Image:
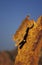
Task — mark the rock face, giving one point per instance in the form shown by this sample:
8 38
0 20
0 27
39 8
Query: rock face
8 57
28 38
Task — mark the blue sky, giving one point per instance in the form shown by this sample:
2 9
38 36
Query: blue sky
12 12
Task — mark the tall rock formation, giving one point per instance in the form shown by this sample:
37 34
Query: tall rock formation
28 38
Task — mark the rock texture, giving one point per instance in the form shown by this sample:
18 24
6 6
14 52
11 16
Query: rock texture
28 38
8 57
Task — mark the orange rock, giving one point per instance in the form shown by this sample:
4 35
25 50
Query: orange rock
31 46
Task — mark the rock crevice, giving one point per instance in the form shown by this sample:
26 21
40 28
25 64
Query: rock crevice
28 38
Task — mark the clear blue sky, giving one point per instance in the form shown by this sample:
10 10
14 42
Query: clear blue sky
12 12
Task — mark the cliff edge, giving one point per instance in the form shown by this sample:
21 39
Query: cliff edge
28 38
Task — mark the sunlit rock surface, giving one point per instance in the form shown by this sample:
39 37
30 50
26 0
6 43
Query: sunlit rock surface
30 51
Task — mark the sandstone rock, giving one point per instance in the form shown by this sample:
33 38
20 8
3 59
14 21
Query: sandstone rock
28 38
8 57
